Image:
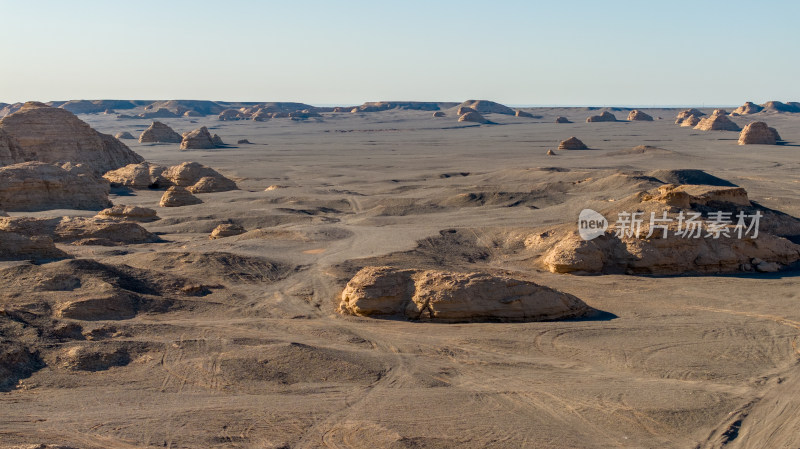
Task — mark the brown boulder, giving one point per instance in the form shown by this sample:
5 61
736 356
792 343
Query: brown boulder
758 133
178 196
454 297
79 230
637 115
37 132
32 186
573 143
160 133
604 117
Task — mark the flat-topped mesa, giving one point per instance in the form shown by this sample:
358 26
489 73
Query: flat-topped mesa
637 115
759 133
718 121
604 117
200 139
35 186
487 107
474 117
37 132
573 143
683 115
444 296
160 133
747 108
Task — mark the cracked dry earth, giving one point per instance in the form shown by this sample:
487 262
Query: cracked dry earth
235 342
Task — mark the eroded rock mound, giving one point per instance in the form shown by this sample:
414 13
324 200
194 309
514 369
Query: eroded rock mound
473 117
33 186
132 213
37 132
198 178
454 297
138 176
747 108
226 230
80 230
15 246
604 117
521 113
177 196
160 133
683 115
690 121
438 114
718 121
124 135
777 106
637 115
487 107
573 143
561 119
758 133
200 139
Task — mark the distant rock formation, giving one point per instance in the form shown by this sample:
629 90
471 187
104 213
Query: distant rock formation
178 196
758 133
474 117
33 186
718 121
551 153
377 106
226 230
637 115
200 139
463 110
160 113
454 297
573 143
438 114
95 106
138 176
690 121
747 108
124 135
561 119
160 133
131 213
604 117
521 113
683 115
189 108
777 106
487 107
232 114
197 178
242 142
37 132
80 230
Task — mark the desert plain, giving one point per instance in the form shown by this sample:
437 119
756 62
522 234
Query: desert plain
243 341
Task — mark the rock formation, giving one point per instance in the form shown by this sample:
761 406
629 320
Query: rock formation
37 132
80 230
226 230
690 121
138 176
521 113
747 108
33 186
463 110
454 297
198 178
242 142
160 133
687 113
573 143
718 121
604 117
178 196
474 117
561 119
132 213
758 133
38 248
551 153
438 114
637 115
777 106
487 107
124 135
200 139
232 114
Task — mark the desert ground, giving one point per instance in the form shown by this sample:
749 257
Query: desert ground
262 358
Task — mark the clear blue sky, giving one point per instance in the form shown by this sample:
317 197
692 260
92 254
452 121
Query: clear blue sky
346 52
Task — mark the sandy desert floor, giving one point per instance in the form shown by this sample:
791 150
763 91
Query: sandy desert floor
264 361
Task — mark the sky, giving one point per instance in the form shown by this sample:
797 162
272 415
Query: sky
554 52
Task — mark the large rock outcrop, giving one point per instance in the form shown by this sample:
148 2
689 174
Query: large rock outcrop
33 186
573 143
690 121
138 176
160 133
15 246
718 121
687 113
777 106
79 230
637 115
454 297
474 117
758 133
604 117
128 213
197 178
178 196
747 108
200 139
37 132
487 107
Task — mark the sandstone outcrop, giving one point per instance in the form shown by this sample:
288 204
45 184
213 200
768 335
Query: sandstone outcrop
37 132
747 108
454 297
758 133
718 121
604 117
687 113
521 113
178 196
132 213
200 139
463 110
690 121
438 114
487 107
124 135
14 246
562 120
33 186
79 230
637 115
226 230
160 133
473 117
198 178
138 176
573 143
